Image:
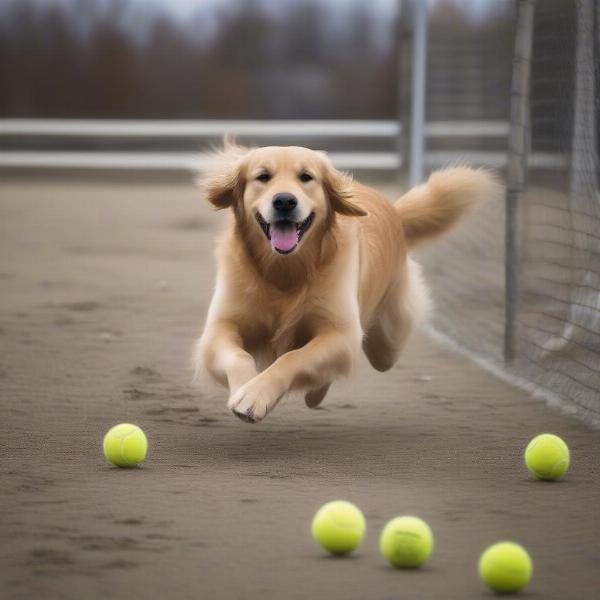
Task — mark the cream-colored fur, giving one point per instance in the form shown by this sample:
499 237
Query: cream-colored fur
280 323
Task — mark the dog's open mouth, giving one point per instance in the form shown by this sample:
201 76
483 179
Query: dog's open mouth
284 235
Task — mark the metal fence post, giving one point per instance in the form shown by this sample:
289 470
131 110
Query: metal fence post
405 34
517 168
419 73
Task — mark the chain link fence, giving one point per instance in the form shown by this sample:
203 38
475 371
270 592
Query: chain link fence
519 282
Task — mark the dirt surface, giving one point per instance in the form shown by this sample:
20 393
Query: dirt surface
104 288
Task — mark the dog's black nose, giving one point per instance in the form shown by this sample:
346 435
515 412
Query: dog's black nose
284 202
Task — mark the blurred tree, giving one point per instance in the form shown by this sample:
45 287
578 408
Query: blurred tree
103 58
110 80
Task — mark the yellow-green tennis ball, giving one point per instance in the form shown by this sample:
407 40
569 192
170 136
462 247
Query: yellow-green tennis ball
406 542
505 567
547 456
125 445
339 527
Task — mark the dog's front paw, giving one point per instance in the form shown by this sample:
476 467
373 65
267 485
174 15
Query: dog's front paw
253 401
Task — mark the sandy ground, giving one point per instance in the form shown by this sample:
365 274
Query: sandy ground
104 288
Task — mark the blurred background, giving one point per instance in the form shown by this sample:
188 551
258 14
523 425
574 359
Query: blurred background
393 89
211 59
223 60
249 59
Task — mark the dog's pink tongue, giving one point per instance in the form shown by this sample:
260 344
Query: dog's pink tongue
283 237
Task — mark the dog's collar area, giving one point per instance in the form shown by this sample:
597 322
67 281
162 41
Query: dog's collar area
301 228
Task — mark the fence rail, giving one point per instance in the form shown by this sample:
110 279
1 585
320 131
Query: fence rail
169 161
178 128
203 131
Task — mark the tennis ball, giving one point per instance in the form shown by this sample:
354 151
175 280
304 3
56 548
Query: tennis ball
339 527
505 567
125 445
406 542
547 456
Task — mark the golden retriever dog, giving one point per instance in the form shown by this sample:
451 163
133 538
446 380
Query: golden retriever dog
312 266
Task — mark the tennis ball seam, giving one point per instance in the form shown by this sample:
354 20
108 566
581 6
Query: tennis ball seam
554 444
411 548
118 436
498 571
122 434
339 535
551 472
559 463
122 446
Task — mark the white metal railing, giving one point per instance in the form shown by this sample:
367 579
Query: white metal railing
194 129
197 129
179 128
466 129
156 161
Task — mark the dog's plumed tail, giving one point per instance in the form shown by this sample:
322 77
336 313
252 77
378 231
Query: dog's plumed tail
432 208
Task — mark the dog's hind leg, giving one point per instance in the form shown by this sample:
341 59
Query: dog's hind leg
404 305
315 397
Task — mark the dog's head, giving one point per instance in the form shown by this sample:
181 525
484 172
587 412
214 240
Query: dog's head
284 195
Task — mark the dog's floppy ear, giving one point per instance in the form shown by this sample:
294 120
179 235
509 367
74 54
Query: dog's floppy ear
338 187
220 178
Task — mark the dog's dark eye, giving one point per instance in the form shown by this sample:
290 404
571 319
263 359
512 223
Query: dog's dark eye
305 177
264 177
